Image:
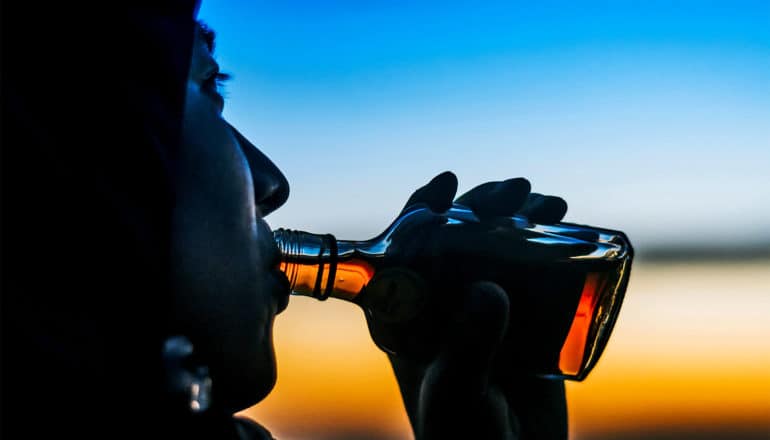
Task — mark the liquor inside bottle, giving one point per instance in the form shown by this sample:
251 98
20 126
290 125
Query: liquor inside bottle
566 282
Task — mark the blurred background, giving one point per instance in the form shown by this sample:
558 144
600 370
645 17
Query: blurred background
649 117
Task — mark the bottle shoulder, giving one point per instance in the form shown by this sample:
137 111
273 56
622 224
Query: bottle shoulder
558 240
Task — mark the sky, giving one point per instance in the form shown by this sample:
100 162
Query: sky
650 117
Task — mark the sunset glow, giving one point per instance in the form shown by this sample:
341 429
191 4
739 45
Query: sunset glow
690 352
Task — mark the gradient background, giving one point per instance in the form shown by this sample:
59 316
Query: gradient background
650 117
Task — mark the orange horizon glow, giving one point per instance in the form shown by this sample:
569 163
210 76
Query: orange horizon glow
689 351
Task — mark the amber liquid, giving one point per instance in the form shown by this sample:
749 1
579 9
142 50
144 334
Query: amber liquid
561 313
592 315
350 279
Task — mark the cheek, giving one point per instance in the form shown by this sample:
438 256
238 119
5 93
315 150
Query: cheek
221 287
243 365
224 287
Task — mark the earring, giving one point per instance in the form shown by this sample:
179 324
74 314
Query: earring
185 378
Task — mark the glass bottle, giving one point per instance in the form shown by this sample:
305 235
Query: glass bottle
565 282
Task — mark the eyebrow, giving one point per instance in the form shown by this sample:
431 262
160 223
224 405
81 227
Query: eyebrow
208 35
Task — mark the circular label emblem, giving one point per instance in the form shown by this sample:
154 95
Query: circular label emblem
395 294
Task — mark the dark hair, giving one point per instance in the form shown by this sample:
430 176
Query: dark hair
86 203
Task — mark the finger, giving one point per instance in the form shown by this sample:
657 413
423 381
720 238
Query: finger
438 194
497 198
540 406
456 385
465 363
544 209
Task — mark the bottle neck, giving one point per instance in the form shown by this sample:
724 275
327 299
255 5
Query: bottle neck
321 266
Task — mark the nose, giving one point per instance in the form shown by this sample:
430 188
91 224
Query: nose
271 189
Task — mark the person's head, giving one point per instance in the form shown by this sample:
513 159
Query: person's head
227 284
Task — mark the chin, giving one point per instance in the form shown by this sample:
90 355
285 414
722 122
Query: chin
264 381
235 397
245 385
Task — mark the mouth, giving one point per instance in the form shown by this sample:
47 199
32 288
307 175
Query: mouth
282 291
280 286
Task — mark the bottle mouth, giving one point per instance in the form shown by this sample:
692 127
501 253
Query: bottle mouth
288 242
308 258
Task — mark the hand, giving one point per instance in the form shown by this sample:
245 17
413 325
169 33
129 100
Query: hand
506 198
456 392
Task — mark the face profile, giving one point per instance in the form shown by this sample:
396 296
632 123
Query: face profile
227 282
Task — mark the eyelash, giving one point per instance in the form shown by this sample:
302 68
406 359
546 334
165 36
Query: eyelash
221 78
217 81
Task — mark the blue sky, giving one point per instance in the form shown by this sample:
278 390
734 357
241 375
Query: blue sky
645 117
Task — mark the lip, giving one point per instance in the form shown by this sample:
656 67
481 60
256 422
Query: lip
280 286
282 291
